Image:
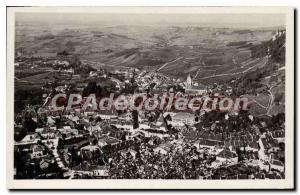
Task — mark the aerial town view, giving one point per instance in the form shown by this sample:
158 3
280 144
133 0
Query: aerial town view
106 96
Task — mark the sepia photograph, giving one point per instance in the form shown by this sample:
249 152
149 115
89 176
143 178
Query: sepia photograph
150 98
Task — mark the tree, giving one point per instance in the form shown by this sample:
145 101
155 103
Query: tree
29 125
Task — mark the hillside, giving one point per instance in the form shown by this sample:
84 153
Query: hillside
266 86
212 50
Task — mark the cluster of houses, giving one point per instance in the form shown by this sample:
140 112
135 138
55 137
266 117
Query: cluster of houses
71 142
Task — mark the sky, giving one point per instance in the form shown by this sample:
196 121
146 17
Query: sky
215 20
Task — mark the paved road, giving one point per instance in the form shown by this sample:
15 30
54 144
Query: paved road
235 73
168 63
271 100
197 73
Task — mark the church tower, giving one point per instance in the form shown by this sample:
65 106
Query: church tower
189 81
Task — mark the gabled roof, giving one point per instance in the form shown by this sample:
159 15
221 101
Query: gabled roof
227 154
166 146
108 140
209 142
90 148
88 167
31 137
183 115
196 88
